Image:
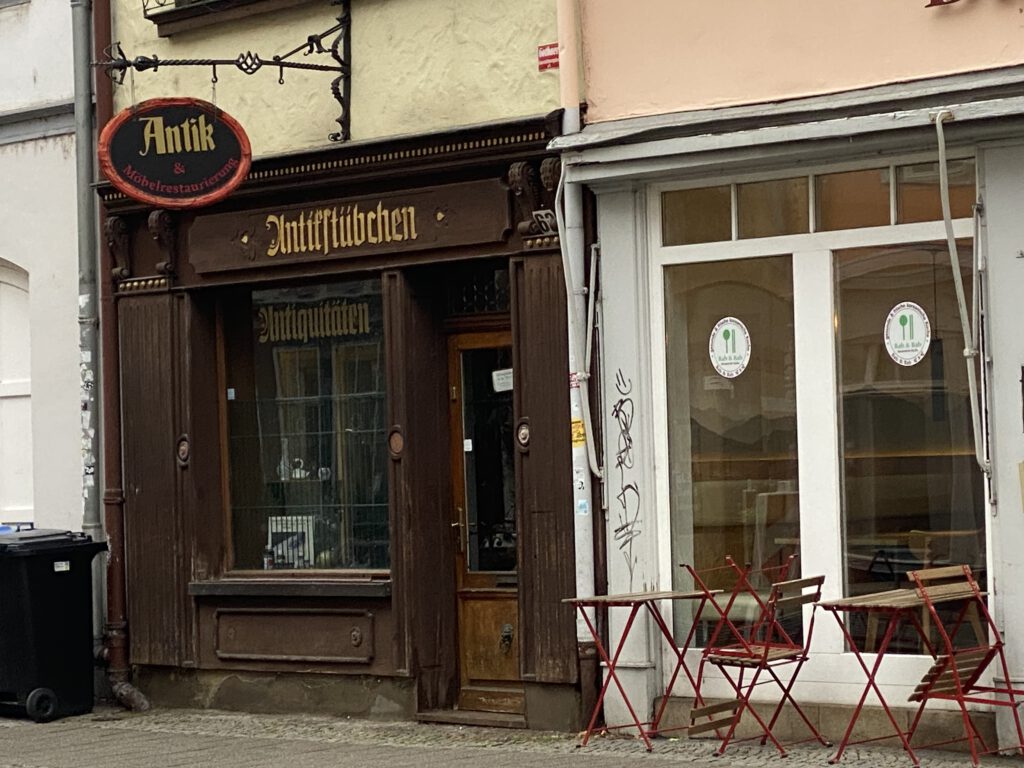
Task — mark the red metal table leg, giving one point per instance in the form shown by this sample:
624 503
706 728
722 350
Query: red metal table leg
872 685
610 663
680 654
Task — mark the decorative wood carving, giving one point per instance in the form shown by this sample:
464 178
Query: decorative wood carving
522 178
118 238
163 227
550 173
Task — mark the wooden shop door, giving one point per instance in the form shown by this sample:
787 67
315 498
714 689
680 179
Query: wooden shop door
484 521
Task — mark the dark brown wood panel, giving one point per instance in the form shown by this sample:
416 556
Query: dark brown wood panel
335 636
544 492
200 479
311 636
420 492
154 547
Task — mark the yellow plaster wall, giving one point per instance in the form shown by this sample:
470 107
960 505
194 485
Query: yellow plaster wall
418 66
660 56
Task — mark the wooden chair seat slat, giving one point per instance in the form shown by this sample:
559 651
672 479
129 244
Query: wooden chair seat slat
714 709
711 725
788 602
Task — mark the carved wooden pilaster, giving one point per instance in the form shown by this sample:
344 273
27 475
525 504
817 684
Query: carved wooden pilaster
118 238
535 193
164 228
522 178
550 173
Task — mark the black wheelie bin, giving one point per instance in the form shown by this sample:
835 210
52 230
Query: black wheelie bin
46 634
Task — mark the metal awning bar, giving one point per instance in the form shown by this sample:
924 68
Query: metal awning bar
662 156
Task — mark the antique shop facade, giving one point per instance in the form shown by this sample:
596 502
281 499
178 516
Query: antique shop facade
344 423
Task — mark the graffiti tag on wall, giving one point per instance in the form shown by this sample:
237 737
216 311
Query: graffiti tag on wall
629 526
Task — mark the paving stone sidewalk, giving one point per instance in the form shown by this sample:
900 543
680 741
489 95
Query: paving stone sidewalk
178 738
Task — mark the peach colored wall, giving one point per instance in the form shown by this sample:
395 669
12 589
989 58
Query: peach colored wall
657 56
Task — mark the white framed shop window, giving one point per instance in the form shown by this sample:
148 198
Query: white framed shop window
801 386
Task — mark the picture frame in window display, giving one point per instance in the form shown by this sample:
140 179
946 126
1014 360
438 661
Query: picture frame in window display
290 541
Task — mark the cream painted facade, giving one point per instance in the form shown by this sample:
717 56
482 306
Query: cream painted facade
678 56
40 427
725 96
415 68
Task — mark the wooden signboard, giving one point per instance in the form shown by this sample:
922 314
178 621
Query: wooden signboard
470 213
175 153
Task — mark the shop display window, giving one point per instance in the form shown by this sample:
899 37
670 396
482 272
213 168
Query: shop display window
732 425
306 420
897 450
912 492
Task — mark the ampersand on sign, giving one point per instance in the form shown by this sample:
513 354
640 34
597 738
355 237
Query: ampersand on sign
179 169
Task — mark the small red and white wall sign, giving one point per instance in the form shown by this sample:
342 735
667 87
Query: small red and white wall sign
547 56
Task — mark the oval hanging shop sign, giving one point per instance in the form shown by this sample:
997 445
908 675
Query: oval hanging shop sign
175 152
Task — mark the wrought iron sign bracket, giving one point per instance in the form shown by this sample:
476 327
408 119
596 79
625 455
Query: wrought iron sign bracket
117 64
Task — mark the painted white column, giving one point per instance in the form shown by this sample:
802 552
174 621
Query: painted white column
817 417
1003 239
631 514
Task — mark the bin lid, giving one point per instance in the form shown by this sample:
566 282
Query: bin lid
38 539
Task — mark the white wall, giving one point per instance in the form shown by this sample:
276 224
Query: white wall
35 54
38 234
631 518
1003 174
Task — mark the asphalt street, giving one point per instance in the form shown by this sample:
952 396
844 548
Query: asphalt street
171 738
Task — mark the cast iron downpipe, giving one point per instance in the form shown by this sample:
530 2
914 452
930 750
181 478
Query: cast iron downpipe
571 237
115 650
86 222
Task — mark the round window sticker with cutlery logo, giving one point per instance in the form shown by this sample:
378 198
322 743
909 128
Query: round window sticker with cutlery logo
908 333
729 347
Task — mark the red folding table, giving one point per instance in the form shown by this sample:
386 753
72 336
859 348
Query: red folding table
635 602
956 671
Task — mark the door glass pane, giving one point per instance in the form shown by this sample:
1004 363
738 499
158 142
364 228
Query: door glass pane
912 491
489 459
731 421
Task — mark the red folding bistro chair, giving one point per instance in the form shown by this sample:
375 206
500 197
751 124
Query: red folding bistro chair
745 602
959 666
750 655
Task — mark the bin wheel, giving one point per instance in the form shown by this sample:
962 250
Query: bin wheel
41 705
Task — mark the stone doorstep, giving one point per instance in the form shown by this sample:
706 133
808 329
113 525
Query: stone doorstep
832 720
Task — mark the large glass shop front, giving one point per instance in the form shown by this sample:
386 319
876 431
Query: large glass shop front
911 494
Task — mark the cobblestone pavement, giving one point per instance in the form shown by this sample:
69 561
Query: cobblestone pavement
179 738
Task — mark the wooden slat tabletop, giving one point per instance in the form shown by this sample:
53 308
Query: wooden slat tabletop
632 598
898 599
